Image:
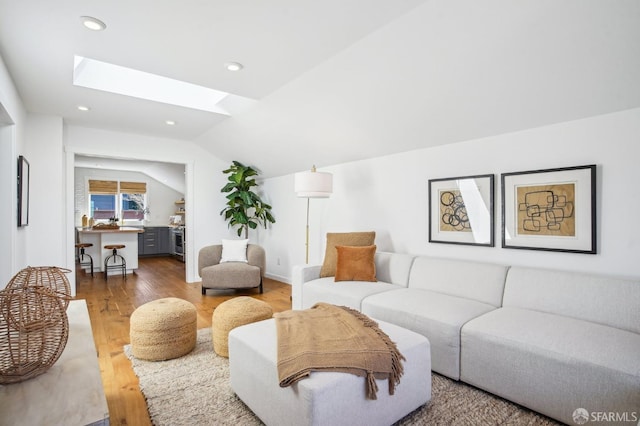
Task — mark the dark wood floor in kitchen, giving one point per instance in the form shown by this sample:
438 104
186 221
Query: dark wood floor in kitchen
111 304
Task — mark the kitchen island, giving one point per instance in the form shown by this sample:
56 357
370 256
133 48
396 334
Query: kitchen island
128 236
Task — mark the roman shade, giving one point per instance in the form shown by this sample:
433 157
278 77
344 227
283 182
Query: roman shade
103 186
133 187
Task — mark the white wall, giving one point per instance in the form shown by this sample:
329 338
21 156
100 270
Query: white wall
12 242
160 198
46 236
389 195
204 178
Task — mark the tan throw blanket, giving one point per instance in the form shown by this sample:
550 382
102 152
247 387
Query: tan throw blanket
335 338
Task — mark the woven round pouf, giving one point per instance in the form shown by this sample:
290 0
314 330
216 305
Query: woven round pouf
163 329
234 313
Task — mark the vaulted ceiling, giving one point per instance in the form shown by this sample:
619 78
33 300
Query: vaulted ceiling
332 81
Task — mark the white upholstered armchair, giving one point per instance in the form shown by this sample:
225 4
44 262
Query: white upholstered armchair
231 275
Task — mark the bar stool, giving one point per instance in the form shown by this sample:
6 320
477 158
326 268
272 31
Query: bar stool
115 256
81 255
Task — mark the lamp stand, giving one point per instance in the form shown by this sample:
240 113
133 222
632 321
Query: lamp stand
307 237
308 185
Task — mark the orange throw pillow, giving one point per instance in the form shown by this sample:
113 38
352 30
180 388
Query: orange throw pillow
342 239
355 263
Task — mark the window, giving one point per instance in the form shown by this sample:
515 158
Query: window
122 200
102 206
132 206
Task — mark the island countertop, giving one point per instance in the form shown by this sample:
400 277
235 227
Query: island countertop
121 229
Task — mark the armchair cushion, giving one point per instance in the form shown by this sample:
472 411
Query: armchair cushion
231 275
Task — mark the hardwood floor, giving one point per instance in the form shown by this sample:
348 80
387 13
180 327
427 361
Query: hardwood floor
111 304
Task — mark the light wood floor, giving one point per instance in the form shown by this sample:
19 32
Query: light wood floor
112 302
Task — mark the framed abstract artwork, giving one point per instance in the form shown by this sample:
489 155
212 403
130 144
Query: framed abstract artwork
23 191
461 210
553 209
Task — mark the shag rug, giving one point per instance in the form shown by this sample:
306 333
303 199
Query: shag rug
195 390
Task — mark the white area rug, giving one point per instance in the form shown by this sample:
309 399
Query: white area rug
194 390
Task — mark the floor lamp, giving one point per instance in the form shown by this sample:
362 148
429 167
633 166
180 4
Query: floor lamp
312 184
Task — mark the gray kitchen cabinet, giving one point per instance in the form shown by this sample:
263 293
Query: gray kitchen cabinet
154 241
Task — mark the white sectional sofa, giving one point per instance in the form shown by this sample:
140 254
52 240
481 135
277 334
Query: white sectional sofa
551 341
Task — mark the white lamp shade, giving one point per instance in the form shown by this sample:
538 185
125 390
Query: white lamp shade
313 184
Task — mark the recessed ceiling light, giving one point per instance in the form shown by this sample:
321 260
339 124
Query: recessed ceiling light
170 123
83 108
93 23
233 66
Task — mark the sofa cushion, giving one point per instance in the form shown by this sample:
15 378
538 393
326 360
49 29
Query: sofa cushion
483 282
393 268
355 263
552 364
603 300
342 239
343 293
439 317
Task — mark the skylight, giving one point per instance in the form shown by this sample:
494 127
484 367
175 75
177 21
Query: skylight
107 77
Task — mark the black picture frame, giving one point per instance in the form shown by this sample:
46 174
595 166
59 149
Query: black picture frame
461 210
23 191
550 209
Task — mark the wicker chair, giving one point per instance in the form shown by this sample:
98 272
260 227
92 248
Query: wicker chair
231 275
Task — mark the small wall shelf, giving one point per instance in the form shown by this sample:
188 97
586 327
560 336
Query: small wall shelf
180 209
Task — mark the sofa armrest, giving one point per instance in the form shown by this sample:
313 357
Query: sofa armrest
300 275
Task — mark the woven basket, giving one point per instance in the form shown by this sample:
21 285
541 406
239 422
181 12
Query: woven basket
34 327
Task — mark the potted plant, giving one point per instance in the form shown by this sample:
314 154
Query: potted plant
245 208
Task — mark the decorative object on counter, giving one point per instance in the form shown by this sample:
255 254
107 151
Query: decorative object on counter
312 184
245 209
34 327
106 226
85 221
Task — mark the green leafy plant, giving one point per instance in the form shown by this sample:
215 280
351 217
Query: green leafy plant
245 208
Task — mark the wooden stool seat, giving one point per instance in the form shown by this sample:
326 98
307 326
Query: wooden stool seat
81 255
115 256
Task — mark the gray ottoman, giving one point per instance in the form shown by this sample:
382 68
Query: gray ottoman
324 398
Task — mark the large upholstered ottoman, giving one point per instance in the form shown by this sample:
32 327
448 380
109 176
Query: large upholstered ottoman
324 398
163 329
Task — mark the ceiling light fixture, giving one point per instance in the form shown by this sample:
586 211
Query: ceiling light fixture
93 23
170 123
83 108
233 66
